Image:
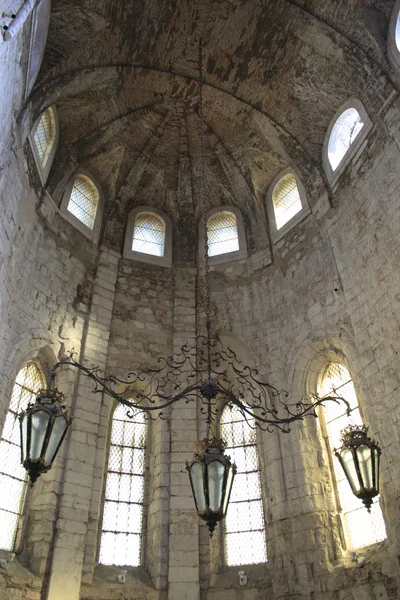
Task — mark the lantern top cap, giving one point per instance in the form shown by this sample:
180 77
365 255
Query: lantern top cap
53 394
355 435
202 446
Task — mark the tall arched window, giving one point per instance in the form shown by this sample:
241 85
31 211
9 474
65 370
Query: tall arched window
84 200
360 527
45 135
12 474
149 234
286 200
343 135
394 36
121 536
245 523
222 232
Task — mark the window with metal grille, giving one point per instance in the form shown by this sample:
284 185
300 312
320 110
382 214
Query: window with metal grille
286 200
12 474
45 135
360 527
343 135
149 234
121 536
84 200
244 523
222 233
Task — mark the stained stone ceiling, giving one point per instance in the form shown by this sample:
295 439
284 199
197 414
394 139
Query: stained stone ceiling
124 77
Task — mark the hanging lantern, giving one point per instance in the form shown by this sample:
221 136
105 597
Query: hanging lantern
211 476
359 457
43 428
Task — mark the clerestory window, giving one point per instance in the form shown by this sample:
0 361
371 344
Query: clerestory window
394 36
286 199
84 200
222 233
149 234
244 523
121 535
13 478
360 527
43 139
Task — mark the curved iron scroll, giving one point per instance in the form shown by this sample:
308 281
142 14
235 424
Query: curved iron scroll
210 374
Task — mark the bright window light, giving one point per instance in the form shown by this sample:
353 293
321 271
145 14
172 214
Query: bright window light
397 32
222 233
286 200
45 135
244 523
12 474
343 134
121 534
361 528
149 234
84 201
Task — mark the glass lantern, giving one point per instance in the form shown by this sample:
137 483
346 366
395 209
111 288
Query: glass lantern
43 428
211 476
359 457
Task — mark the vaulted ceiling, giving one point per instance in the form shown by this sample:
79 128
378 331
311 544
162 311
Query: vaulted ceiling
124 77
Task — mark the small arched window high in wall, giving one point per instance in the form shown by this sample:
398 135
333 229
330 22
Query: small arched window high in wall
44 139
13 478
345 136
360 528
122 527
82 204
244 523
226 235
287 203
394 37
149 236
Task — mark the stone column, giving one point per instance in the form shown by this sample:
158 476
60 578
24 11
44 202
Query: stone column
183 573
81 456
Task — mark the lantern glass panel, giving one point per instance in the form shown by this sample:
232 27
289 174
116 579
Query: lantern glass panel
39 422
365 462
228 488
59 427
350 470
24 435
196 475
215 473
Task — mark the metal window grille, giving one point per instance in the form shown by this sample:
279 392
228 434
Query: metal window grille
149 234
121 536
12 474
45 135
361 528
343 134
244 523
286 200
222 233
84 201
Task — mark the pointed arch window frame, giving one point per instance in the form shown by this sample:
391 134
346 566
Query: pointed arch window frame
21 525
229 256
393 48
44 170
278 234
92 234
355 149
162 261
145 503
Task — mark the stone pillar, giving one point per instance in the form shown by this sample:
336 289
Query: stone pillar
81 455
183 573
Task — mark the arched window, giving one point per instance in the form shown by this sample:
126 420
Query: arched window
286 200
84 200
345 135
121 536
244 524
12 474
149 234
43 139
394 36
361 528
222 232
